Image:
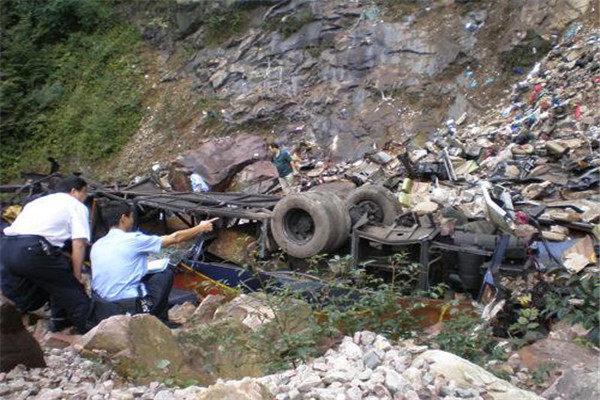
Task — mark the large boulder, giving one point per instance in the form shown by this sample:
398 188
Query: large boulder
17 345
255 178
258 312
466 375
575 366
217 161
560 353
237 244
206 310
240 339
140 348
221 348
577 382
251 310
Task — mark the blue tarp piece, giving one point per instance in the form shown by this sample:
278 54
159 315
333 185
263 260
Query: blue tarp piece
555 248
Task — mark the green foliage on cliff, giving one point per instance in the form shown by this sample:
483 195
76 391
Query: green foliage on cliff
224 23
70 84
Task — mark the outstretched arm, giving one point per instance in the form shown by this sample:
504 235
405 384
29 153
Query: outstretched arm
187 234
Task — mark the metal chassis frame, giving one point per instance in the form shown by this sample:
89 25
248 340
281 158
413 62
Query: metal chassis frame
424 242
254 207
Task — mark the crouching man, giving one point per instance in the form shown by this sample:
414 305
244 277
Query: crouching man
120 282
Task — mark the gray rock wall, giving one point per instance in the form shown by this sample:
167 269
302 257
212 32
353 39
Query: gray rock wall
355 73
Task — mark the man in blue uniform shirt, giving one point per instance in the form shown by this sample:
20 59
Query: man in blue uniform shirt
120 264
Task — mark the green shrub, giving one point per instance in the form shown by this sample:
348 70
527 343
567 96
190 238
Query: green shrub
525 54
575 298
466 336
69 87
222 24
290 24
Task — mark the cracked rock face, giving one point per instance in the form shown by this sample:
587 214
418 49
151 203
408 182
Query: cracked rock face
358 73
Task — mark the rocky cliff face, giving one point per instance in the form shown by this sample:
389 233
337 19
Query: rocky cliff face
344 75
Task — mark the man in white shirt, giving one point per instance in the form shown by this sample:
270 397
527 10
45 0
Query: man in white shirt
33 267
120 278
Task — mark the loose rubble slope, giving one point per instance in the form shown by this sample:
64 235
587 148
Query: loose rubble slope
364 366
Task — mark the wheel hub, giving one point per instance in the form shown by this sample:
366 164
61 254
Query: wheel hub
372 209
299 226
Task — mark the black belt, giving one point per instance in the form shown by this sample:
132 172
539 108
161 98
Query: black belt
47 247
30 237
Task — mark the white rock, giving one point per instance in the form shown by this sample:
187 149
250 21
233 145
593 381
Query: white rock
367 338
164 395
351 350
121 395
412 374
336 385
311 381
17 384
377 377
354 393
189 393
394 381
373 358
324 394
467 374
294 394
381 391
339 376
365 374
411 395
50 394
382 343
339 362
417 349
303 368
320 366
514 361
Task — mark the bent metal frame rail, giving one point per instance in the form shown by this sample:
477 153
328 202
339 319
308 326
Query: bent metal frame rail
234 206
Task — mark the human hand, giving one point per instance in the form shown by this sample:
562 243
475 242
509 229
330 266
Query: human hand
207 226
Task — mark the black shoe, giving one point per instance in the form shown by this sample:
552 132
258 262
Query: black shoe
171 324
58 325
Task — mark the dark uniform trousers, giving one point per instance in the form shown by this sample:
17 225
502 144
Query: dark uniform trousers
158 286
31 275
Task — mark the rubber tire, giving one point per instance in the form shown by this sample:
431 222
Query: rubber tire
340 218
383 198
322 222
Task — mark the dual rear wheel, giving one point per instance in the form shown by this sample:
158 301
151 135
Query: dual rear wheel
309 223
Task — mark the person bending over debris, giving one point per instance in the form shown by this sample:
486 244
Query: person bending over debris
121 283
287 166
33 267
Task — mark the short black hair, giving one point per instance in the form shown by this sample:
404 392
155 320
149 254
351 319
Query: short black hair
65 185
113 210
273 144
